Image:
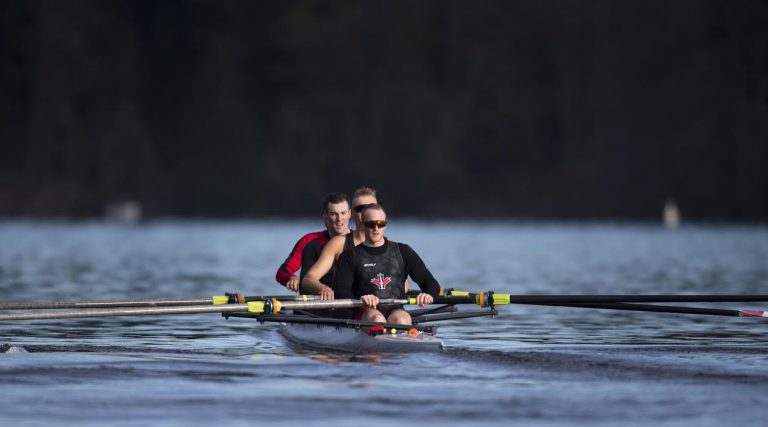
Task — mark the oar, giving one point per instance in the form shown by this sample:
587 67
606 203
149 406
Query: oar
483 299
490 298
610 302
164 302
136 311
272 306
662 309
453 298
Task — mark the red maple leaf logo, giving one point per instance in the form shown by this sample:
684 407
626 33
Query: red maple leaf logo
380 281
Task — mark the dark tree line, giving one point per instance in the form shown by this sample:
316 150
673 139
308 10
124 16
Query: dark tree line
552 108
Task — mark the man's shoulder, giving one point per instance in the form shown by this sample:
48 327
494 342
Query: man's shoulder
337 241
315 235
315 239
402 246
340 237
406 251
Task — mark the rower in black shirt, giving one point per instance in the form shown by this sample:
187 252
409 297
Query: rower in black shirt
378 269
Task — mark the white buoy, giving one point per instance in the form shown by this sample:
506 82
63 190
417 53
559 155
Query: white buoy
671 215
126 212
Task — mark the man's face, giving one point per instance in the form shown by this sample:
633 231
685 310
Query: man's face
336 218
374 234
357 204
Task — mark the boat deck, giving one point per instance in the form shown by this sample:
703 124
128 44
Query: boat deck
358 340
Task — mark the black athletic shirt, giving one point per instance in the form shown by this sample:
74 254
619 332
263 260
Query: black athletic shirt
304 255
414 267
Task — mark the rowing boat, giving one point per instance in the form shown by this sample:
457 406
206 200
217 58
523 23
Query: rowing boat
359 340
308 330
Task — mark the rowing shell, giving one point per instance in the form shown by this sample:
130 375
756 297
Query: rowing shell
359 340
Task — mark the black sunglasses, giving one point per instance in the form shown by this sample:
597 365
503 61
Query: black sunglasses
381 223
360 208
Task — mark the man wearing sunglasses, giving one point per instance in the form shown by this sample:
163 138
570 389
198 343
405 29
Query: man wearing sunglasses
378 269
313 281
307 250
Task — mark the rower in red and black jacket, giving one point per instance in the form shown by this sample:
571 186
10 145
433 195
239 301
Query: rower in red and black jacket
304 255
382 271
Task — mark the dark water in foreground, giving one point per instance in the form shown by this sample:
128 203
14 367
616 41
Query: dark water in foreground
531 366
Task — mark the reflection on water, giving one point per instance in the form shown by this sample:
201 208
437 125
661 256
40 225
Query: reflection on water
535 364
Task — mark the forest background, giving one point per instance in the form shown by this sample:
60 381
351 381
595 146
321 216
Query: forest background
527 109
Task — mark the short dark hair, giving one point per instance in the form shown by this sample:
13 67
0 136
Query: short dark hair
334 198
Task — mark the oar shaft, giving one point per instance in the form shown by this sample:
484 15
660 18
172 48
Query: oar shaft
652 308
270 307
106 304
635 298
162 302
137 311
499 298
454 316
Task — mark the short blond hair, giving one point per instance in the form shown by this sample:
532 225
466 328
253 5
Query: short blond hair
364 191
373 206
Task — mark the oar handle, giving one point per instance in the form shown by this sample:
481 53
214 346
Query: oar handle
275 306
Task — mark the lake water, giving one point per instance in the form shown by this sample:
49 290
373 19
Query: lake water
532 365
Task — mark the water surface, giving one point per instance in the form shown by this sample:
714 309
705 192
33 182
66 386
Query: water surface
532 365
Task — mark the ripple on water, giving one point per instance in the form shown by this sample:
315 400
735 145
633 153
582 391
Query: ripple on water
532 365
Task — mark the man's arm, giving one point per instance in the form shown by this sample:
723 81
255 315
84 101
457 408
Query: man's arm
416 268
311 283
286 273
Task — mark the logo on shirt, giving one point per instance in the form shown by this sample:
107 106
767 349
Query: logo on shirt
380 281
370 264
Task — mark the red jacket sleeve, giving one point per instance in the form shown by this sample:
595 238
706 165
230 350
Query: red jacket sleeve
292 264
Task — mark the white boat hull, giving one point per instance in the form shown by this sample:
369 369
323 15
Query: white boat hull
337 338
